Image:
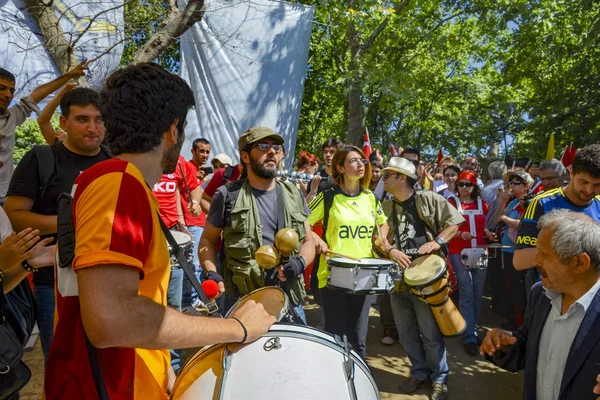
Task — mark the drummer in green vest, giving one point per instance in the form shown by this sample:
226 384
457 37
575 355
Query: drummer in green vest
420 222
248 213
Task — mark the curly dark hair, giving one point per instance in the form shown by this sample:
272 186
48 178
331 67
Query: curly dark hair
139 103
79 97
587 160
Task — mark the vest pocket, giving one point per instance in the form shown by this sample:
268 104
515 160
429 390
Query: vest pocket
239 220
297 221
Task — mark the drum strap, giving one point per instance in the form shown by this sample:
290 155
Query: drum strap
471 213
440 290
211 307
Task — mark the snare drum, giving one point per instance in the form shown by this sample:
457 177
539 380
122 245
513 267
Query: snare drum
273 299
365 276
267 368
186 244
427 278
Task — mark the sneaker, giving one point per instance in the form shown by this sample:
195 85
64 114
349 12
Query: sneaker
470 348
390 335
440 391
413 384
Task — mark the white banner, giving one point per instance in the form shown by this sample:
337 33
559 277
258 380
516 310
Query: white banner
94 26
246 63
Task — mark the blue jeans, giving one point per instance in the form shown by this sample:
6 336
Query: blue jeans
174 295
470 292
45 302
419 335
196 231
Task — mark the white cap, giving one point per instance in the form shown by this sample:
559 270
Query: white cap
223 158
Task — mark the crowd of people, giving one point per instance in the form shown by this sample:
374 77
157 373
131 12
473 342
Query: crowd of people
114 318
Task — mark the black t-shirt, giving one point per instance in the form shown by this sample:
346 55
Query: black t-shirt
411 233
25 182
325 184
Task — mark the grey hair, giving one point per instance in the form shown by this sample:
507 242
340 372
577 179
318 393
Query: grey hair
553 164
573 234
497 170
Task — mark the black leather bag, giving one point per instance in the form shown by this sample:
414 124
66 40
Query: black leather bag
20 311
14 374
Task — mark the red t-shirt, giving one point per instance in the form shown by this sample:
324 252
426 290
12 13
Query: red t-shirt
190 220
456 245
165 190
217 180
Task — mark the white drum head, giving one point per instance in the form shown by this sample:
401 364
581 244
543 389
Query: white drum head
424 270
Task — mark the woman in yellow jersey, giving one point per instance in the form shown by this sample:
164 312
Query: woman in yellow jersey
349 231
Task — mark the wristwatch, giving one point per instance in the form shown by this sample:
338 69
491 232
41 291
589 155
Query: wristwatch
440 241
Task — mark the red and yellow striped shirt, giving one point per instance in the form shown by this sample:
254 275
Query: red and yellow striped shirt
116 222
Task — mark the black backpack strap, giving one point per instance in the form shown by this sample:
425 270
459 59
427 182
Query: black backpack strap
211 306
227 174
96 370
328 196
233 189
46 167
280 206
106 151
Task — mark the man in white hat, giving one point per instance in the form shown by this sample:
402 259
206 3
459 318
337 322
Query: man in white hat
421 222
221 160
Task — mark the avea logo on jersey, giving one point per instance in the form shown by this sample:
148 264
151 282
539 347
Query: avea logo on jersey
165 187
353 232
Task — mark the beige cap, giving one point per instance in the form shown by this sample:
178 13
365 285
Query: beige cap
401 165
223 158
255 134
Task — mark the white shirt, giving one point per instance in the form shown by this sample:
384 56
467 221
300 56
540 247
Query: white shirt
557 337
9 120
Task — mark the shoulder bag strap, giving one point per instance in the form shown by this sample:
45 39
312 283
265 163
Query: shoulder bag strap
227 174
96 370
189 272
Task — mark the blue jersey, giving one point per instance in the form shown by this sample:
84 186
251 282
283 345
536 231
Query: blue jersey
544 203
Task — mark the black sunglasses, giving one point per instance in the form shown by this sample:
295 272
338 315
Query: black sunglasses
464 184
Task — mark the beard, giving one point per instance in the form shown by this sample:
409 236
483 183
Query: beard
261 170
170 158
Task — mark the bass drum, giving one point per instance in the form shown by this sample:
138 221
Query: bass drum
270 369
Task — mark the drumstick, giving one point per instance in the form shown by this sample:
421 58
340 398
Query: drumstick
341 255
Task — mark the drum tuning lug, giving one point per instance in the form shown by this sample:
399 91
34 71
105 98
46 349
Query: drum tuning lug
272 344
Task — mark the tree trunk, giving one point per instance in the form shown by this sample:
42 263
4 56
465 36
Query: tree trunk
173 27
355 111
55 42
491 156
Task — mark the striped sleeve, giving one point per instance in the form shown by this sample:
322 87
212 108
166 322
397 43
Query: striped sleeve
113 222
317 209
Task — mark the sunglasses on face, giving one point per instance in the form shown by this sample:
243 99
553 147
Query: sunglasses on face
464 184
267 147
354 161
386 175
515 183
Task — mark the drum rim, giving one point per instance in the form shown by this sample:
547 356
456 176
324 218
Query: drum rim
430 281
331 262
286 301
360 292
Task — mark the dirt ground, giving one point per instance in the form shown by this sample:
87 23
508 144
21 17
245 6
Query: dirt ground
471 378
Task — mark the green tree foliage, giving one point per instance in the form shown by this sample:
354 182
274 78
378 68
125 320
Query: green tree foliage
27 135
458 73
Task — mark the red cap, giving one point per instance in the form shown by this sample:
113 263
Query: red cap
468 175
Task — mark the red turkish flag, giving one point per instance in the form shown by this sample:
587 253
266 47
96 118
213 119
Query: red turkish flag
440 156
367 144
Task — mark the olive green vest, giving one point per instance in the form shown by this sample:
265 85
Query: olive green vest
242 236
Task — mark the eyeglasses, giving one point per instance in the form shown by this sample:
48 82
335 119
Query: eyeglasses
267 147
515 183
417 163
550 178
464 184
363 161
386 175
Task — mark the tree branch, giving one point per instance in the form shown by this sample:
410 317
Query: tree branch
174 26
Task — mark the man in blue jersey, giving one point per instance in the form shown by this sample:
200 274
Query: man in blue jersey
582 195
